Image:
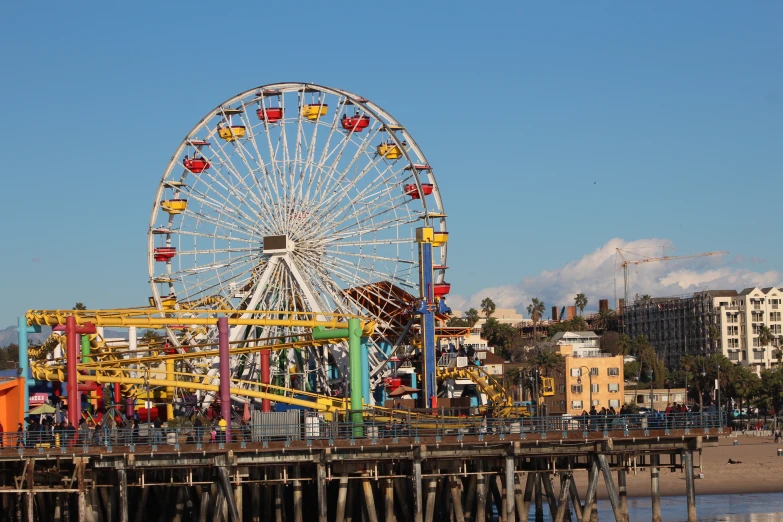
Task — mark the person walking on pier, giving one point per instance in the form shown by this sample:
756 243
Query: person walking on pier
157 431
222 429
2 436
198 427
20 436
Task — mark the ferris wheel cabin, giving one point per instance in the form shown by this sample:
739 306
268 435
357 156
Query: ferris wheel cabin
195 165
164 254
355 123
413 191
313 111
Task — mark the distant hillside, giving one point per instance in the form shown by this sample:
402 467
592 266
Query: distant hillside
9 335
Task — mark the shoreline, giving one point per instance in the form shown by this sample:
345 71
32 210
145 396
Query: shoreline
760 471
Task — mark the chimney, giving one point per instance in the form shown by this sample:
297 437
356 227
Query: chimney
603 304
554 313
571 313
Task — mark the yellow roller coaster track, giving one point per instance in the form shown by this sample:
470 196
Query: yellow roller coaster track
502 402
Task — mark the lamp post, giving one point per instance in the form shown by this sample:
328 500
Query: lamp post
590 378
650 374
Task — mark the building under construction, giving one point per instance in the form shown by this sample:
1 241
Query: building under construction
677 326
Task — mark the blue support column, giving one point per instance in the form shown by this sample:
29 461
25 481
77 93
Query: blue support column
24 358
366 397
427 322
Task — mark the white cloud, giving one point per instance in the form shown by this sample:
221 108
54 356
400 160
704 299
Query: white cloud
594 274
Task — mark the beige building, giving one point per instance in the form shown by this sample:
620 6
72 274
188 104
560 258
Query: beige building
595 380
660 397
741 317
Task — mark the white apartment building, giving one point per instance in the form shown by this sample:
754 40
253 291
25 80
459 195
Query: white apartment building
585 344
741 317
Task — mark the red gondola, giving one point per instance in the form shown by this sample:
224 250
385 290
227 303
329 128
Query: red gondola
195 165
355 123
273 114
164 253
413 191
441 289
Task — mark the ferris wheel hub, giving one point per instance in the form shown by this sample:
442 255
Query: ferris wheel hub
278 244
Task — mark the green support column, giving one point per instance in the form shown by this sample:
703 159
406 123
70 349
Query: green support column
85 348
355 358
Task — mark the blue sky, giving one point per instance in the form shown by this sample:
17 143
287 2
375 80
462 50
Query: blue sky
553 128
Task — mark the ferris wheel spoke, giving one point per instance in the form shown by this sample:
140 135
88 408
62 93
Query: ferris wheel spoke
227 209
333 201
210 235
337 152
212 221
336 188
352 270
400 203
207 285
317 168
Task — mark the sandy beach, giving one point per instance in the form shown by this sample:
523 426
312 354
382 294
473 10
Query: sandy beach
760 471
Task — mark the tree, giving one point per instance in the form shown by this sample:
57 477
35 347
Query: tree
488 307
714 334
605 320
536 310
151 336
502 336
457 322
581 302
624 344
79 306
549 361
609 342
472 317
765 336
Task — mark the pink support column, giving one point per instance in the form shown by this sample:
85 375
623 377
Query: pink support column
225 374
266 404
72 359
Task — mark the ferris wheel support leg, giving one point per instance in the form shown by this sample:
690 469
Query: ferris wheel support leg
24 358
225 374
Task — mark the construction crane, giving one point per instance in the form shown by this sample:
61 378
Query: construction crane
626 262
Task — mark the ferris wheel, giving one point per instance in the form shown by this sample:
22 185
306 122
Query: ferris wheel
295 197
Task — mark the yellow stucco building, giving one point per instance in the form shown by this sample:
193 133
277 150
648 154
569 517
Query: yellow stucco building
596 377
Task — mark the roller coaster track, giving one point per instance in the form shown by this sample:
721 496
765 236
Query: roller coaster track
502 402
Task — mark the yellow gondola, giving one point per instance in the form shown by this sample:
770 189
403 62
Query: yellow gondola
231 133
314 111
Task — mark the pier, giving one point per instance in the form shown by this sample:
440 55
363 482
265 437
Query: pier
461 472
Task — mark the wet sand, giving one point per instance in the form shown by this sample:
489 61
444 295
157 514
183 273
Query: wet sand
760 471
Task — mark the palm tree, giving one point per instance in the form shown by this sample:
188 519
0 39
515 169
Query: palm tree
548 360
580 301
488 307
765 336
624 344
604 319
79 306
472 317
536 310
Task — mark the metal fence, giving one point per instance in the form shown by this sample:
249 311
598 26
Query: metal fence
291 426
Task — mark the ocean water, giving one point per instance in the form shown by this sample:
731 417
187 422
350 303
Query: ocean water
761 507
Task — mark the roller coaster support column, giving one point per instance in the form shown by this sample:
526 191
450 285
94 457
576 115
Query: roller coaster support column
366 397
355 347
24 358
225 374
425 236
72 331
357 377
170 390
266 377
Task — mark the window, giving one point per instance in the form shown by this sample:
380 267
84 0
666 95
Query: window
733 343
594 372
576 372
755 342
758 355
774 316
596 402
775 328
562 405
613 372
614 387
576 388
734 356
561 388
576 405
614 403
640 399
594 388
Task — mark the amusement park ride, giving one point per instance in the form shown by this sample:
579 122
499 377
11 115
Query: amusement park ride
297 256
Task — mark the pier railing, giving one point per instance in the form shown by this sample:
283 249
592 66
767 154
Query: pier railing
397 429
